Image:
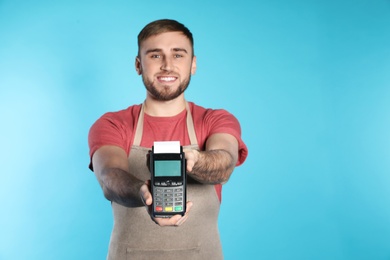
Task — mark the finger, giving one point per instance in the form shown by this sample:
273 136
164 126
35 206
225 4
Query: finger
146 196
168 221
190 165
185 217
191 158
181 220
189 206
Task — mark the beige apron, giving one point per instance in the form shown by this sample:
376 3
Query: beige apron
136 236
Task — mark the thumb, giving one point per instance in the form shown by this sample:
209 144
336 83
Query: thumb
146 196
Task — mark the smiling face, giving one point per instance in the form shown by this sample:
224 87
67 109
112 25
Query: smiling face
166 63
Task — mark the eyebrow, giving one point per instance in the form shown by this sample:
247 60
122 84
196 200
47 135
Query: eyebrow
153 50
180 49
160 50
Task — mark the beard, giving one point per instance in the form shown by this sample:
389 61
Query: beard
166 94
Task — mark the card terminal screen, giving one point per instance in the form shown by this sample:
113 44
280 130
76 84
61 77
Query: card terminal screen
169 168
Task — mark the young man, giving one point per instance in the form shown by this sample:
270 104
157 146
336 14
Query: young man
120 141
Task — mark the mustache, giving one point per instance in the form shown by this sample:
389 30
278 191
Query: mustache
171 74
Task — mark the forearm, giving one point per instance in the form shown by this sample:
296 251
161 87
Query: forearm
213 166
121 187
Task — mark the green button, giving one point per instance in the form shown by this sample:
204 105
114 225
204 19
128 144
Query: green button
178 208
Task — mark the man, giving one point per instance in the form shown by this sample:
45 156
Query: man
119 143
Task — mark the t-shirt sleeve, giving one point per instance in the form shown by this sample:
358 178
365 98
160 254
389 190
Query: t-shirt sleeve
108 130
221 121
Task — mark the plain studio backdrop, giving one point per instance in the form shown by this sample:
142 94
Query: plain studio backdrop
309 82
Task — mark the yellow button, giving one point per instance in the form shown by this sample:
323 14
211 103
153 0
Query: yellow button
168 208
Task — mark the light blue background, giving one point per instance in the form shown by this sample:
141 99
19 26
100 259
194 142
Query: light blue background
308 80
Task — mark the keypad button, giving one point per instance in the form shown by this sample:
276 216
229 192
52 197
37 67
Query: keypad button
168 209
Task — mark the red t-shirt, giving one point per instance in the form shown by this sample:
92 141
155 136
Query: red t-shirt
118 128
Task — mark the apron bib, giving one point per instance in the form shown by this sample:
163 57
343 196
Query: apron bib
136 236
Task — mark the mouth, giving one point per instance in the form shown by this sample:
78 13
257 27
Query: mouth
167 79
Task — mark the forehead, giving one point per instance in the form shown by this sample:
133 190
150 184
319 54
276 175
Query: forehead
166 41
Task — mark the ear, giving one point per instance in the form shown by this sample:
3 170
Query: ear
138 66
193 65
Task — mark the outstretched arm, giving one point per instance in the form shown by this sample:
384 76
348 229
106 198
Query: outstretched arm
111 168
217 162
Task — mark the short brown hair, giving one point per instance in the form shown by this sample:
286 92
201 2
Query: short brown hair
161 26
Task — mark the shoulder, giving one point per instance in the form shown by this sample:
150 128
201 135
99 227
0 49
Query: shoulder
114 128
209 116
202 111
118 119
122 116
209 121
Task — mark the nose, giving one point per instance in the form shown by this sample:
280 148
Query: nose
167 64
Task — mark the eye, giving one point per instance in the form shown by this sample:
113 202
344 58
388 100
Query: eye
155 56
177 56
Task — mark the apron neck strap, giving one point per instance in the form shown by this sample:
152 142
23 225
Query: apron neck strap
140 127
190 126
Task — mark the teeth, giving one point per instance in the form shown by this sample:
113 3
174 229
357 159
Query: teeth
167 78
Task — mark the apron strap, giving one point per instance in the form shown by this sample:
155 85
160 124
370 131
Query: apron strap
190 126
140 127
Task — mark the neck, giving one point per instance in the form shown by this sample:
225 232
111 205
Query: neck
164 108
